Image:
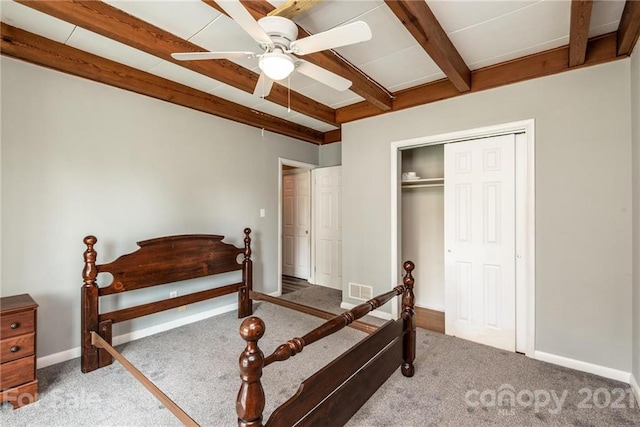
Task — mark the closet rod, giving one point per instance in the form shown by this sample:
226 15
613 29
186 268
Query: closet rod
423 185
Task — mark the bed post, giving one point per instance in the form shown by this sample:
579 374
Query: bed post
251 401
89 307
245 305
409 321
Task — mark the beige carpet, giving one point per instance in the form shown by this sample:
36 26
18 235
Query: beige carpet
197 365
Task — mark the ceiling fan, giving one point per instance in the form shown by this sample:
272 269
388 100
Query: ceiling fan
276 36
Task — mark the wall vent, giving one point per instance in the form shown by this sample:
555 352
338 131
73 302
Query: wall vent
360 292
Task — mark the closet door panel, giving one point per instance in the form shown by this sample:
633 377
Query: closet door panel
480 241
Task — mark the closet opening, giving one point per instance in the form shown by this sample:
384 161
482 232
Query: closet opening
422 225
463 211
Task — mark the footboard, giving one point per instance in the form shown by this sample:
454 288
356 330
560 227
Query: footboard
352 377
158 262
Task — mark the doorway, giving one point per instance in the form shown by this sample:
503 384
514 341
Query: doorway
296 222
524 250
321 287
295 257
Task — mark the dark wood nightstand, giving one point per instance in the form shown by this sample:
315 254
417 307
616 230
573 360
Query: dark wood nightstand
18 383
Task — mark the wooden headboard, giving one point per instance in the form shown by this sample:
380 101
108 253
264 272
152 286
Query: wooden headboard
158 262
170 259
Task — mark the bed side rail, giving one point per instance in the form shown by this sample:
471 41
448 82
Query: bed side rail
296 345
361 326
353 377
251 402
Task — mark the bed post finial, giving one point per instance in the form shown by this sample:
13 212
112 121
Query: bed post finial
251 401
89 272
409 317
89 306
245 305
247 243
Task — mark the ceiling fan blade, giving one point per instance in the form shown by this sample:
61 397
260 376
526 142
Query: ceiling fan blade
323 76
292 8
263 87
195 56
355 32
238 13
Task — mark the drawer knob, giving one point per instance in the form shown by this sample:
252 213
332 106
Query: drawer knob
14 325
15 349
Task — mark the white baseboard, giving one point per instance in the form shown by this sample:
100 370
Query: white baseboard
314 283
433 307
579 365
633 382
52 359
63 356
375 313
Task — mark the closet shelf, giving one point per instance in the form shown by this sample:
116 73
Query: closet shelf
423 183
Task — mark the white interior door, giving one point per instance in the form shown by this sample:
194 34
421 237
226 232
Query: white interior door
479 216
296 221
328 224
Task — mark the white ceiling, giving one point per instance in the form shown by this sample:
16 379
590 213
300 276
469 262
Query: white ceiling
484 32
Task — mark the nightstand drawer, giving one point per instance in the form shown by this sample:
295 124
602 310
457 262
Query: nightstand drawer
15 324
17 372
17 347
21 395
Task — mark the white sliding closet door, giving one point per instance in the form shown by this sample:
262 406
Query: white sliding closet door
480 296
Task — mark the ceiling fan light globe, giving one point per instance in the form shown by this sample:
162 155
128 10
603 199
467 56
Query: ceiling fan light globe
276 65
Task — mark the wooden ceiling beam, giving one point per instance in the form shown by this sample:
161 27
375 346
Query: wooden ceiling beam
362 84
599 50
629 28
113 23
425 28
38 50
579 31
292 8
332 136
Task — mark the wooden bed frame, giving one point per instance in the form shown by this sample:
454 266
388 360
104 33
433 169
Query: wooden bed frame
354 376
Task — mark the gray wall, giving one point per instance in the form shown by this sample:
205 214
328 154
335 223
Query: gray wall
331 154
83 158
635 120
583 200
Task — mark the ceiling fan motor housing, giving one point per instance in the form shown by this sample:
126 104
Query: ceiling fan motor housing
282 31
